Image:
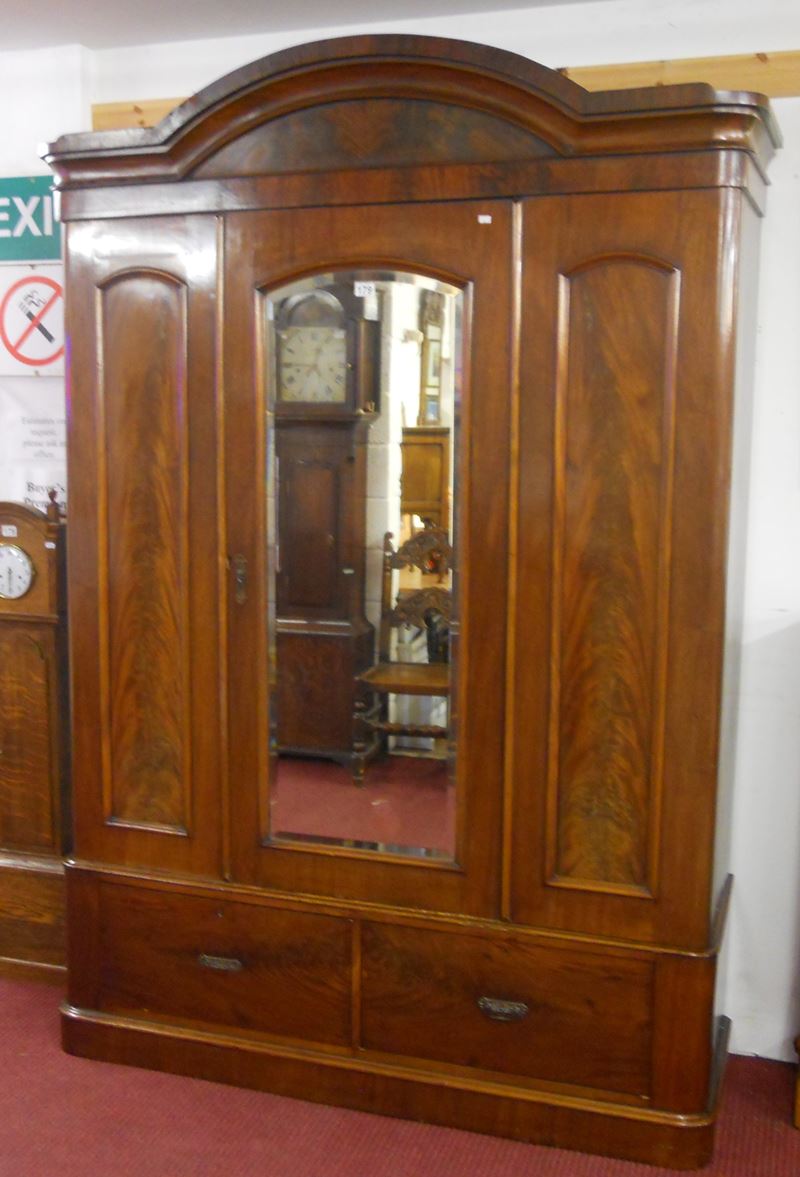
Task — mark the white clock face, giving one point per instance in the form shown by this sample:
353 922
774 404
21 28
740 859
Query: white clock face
313 365
16 572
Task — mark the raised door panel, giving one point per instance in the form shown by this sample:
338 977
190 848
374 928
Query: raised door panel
316 686
144 575
614 437
621 531
145 656
312 490
467 245
29 784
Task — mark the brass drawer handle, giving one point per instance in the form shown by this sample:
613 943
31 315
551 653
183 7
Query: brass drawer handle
222 964
502 1011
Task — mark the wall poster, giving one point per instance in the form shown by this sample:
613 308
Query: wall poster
33 454
32 410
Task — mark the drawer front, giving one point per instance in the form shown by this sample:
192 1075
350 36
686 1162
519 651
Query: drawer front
227 964
504 1004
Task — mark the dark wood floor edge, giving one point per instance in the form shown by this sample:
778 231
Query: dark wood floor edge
358 1063
32 970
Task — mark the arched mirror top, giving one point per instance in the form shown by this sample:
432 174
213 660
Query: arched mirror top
402 101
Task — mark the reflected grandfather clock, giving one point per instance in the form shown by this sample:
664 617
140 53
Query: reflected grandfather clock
32 734
327 360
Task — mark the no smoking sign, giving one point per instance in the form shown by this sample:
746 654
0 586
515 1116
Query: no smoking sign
31 320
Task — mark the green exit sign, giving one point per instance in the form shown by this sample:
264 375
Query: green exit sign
29 231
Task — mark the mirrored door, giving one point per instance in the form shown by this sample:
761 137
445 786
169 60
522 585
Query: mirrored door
367 409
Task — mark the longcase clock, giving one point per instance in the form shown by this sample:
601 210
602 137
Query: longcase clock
327 371
32 738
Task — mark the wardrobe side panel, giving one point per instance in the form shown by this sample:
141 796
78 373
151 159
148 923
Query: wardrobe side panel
745 293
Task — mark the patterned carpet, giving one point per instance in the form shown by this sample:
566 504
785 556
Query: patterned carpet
67 1117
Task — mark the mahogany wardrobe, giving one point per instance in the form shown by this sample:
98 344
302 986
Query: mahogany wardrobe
512 925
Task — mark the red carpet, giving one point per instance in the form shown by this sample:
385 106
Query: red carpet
66 1117
406 803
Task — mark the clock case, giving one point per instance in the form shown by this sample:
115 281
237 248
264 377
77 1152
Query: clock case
34 785
324 639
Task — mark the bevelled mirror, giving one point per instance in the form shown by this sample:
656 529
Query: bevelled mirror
364 371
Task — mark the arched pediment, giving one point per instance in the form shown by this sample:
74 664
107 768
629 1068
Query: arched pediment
394 101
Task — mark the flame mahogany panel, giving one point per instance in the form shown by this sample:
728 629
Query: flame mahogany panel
614 441
384 132
625 436
144 403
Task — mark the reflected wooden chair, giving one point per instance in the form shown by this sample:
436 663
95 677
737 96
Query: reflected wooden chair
429 610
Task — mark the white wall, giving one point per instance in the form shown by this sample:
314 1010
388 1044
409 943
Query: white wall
39 91
43 93
764 938
580 34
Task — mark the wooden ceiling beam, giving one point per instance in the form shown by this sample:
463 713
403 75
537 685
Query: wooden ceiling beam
113 116
775 74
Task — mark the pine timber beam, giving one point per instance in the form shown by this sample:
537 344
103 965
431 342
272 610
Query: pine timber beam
775 74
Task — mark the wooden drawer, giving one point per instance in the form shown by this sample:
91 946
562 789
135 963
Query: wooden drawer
230 964
586 1017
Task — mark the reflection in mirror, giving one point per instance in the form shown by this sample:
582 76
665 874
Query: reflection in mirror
364 378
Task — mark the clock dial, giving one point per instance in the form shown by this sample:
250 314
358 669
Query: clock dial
16 572
313 365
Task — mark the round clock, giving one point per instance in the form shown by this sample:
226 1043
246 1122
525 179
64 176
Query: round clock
16 572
